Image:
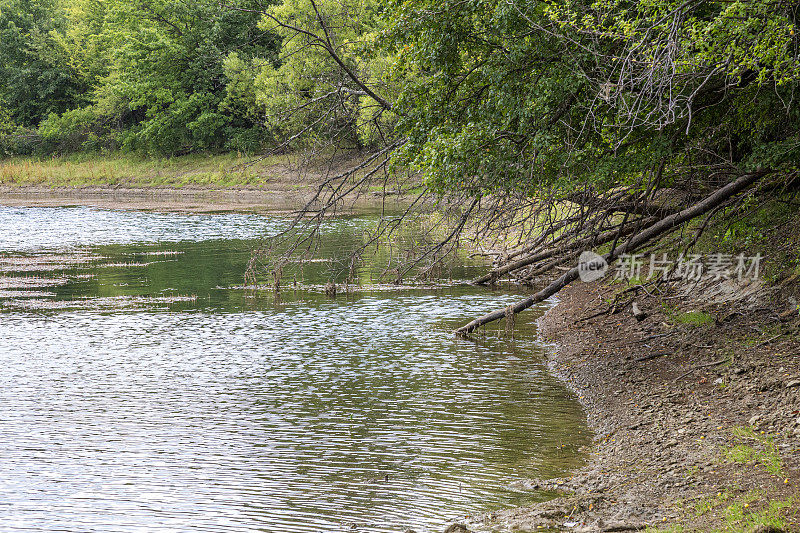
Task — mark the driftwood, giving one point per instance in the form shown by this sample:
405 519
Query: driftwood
638 313
657 229
648 357
699 367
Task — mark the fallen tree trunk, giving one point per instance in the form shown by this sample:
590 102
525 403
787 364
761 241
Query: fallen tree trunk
662 226
595 240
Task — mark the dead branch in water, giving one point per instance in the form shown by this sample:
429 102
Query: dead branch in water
657 229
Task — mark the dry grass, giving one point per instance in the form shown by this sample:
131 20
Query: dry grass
226 170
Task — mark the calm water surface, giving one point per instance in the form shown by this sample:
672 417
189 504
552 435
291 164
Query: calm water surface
143 388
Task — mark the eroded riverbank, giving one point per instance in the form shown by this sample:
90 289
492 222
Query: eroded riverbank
698 425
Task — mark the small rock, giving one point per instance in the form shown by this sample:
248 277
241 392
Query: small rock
718 381
457 528
638 313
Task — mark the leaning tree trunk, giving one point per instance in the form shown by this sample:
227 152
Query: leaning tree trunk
662 226
596 240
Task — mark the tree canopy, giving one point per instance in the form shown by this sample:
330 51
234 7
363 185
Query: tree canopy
485 94
146 75
513 93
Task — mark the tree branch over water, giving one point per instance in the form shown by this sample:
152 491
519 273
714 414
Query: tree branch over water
635 242
538 133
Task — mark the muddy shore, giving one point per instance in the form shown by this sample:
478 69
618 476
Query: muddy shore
697 425
156 199
278 198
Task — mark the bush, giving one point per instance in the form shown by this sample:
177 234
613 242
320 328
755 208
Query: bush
247 141
67 132
76 130
22 141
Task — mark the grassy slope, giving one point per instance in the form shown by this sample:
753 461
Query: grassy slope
125 170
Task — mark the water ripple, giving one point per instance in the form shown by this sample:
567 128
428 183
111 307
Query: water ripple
299 414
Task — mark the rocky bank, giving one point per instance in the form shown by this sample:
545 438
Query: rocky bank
696 413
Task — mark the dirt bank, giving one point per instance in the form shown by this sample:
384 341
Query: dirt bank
192 183
275 199
696 414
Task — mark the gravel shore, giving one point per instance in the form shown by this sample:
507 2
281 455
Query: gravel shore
697 425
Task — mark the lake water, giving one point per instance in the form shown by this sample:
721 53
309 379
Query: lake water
144 388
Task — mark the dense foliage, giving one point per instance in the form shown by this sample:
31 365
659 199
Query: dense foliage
520 92
479 95
147 75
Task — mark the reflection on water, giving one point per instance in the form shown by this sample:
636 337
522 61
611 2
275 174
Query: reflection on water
36 228
142 389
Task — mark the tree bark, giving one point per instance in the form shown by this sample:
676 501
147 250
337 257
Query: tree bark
596 240
662 226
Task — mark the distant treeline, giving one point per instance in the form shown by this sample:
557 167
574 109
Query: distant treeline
477 95
154 76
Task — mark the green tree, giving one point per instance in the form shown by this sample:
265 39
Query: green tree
36 75
566 123
166 76
333 81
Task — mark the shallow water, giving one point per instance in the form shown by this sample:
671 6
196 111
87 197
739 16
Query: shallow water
144 389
